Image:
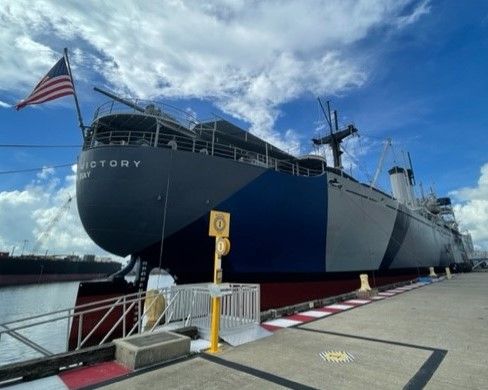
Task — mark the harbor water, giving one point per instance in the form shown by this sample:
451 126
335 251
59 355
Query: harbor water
29 300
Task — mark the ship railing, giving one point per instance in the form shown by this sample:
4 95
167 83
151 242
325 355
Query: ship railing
99 322
166 112
478 255
188 144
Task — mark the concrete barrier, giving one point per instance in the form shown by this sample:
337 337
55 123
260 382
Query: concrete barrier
147 349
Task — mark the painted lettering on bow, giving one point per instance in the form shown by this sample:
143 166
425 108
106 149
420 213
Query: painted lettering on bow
85 167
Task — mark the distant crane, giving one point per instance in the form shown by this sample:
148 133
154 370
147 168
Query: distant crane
380 162
47 231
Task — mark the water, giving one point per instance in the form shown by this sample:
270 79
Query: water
25 301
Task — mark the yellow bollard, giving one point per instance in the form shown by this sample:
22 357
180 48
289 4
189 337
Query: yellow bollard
432 272
364 283
156 305
214 329
215 323
448 273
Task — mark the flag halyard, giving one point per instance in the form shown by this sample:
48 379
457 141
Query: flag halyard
55 84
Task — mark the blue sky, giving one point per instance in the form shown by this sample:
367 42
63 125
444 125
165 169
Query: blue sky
414 71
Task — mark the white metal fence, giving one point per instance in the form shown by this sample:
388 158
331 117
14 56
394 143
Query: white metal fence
101 321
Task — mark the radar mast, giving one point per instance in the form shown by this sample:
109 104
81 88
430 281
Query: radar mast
335 137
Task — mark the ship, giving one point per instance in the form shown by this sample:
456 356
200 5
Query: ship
148 176
32 269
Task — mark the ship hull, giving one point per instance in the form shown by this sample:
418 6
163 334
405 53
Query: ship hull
154 203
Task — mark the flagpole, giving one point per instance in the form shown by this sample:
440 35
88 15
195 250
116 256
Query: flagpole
80 119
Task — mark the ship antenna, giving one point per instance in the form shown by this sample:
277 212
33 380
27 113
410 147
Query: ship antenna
326 113
411 174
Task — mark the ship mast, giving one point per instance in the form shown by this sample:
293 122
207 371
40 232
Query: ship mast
334 139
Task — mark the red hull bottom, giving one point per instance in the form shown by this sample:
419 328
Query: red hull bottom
280 294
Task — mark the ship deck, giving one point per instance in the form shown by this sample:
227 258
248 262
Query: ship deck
433 337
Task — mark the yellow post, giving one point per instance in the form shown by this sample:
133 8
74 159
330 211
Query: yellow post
448 273
215 324
432 272
364 283
218 228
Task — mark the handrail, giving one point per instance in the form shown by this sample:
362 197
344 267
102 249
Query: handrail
71 308
27 342
188 144
159 110
187 305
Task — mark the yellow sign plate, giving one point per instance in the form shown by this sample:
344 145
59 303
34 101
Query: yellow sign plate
222 246
219 224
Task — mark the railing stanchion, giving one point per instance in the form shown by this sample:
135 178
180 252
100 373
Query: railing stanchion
157 135
68 328
213 136
123 322
80 330
139 316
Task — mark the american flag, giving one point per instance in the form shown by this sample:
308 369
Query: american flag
55 84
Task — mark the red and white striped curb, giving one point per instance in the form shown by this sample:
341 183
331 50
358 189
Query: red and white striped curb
311 315
76 378
91 375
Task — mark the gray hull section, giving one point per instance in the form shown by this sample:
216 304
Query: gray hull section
359 226
121 193
124 194
368 230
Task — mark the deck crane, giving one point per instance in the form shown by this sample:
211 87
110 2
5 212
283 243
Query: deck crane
380 162
45 233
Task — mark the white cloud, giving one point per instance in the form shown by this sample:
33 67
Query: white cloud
248 58
472 209
422 8
46 172
25 214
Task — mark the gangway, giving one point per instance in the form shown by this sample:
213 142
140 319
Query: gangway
479 259
99 322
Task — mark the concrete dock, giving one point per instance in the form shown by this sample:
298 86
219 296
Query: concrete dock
435 337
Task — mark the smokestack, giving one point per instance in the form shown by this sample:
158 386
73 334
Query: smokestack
401 185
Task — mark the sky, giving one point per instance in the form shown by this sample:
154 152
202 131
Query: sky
410 70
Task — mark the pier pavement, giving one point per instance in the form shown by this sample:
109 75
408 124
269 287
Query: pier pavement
433 337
